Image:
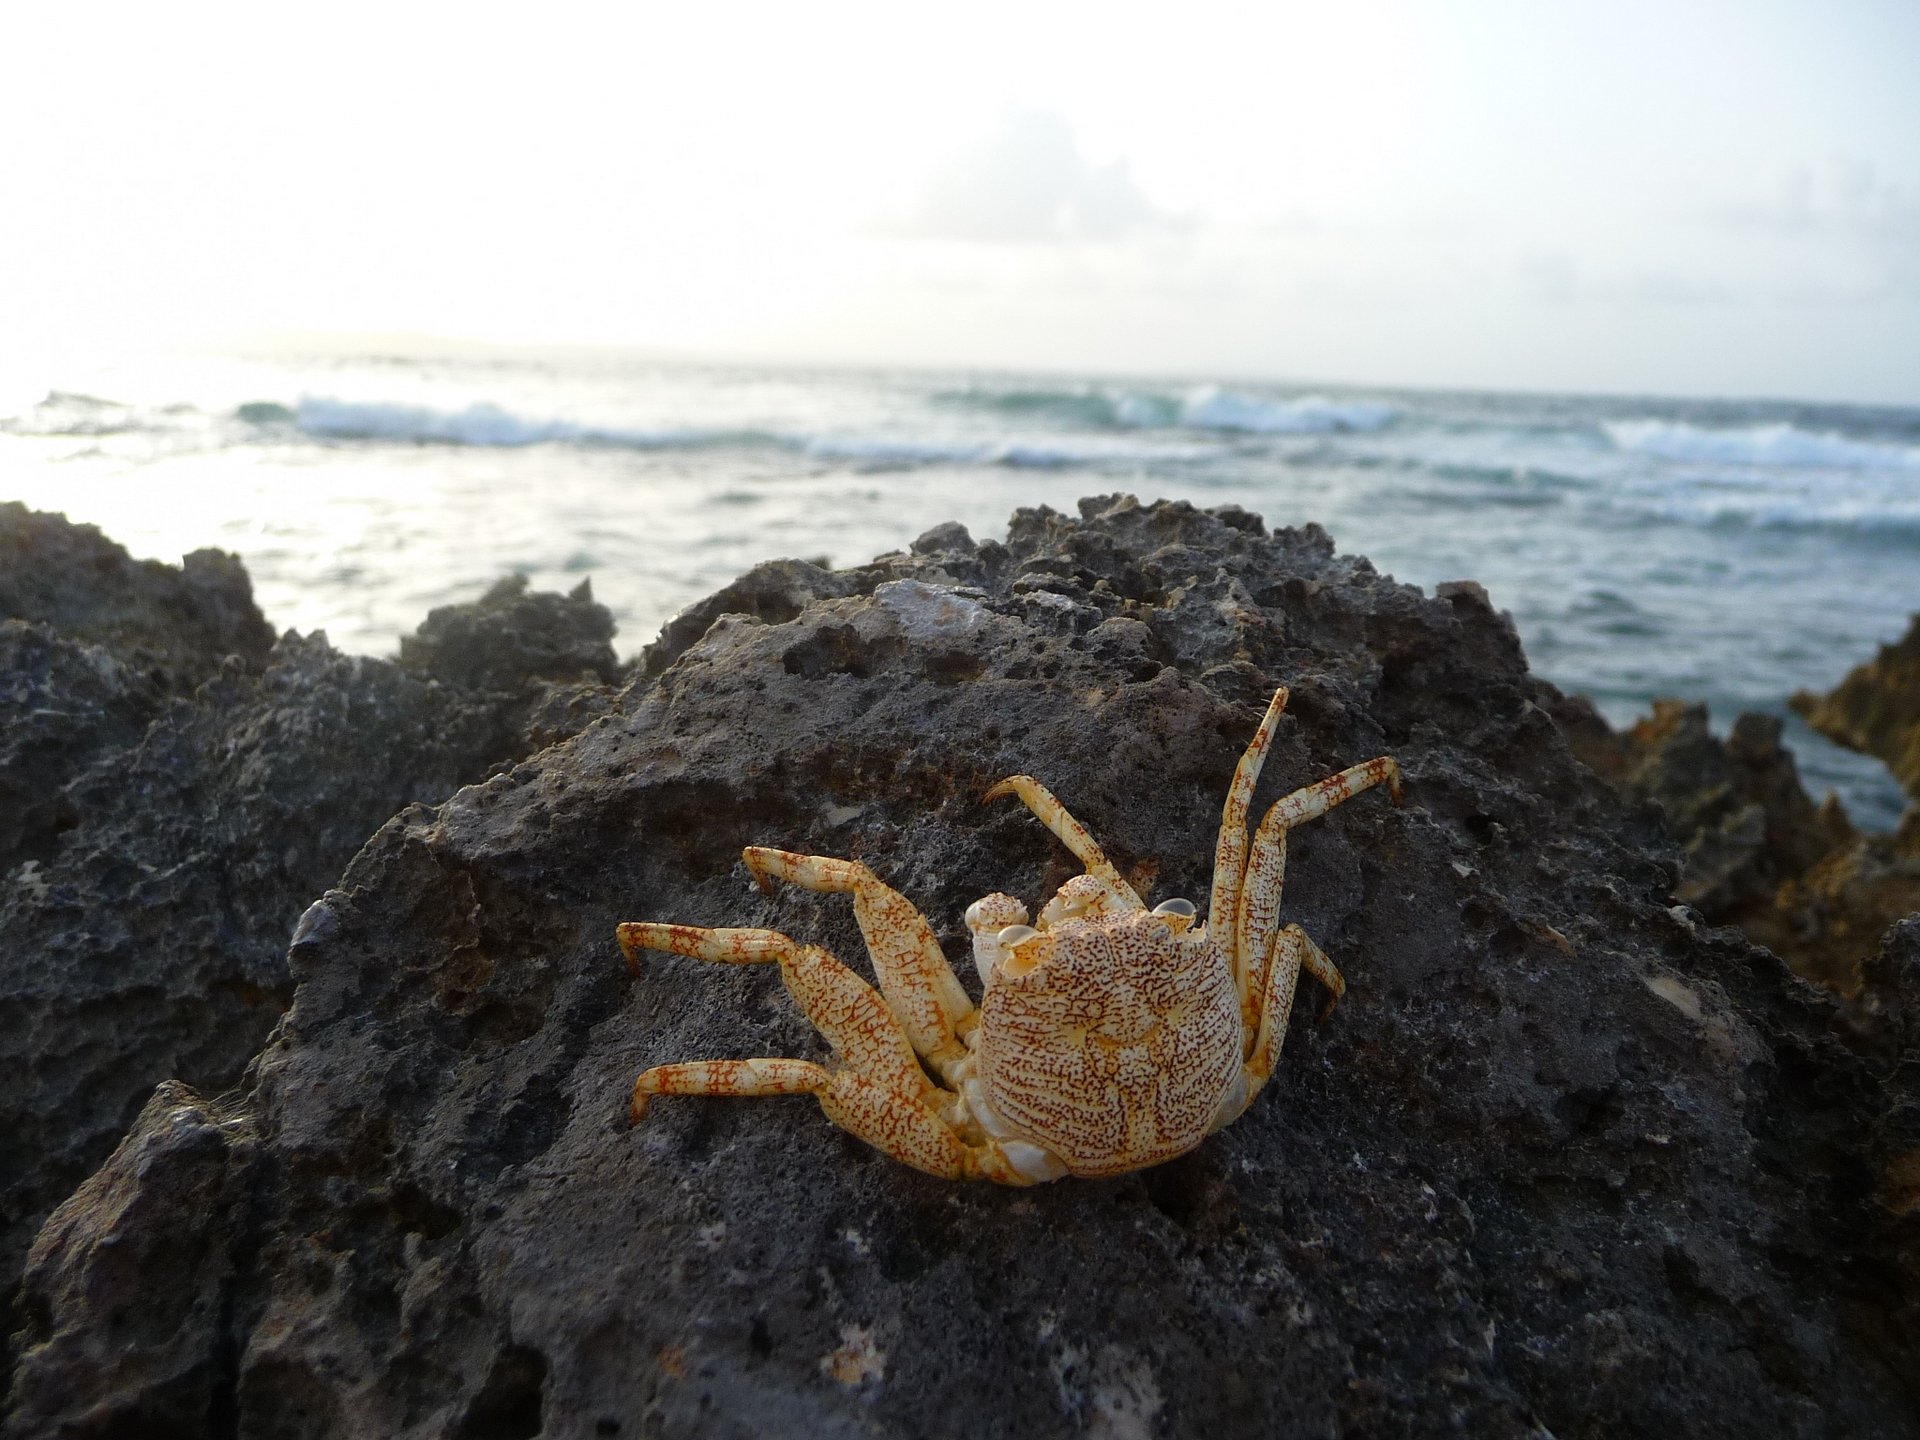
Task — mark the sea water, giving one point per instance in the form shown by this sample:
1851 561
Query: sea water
1725 551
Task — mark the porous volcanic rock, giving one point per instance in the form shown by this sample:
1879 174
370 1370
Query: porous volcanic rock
511 637
1876 710
1827 921
177 622
1736 806
92 644
62 703
1757 852
1564 1160
145 937
773 591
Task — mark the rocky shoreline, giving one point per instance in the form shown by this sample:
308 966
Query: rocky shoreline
1569 1159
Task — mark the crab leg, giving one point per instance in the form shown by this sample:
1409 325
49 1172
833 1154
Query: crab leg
915 978
880 1094
842 1006
1230 853
1315 962
891 1123
1294 951
913 1133
1259 909
727 1077
1051 813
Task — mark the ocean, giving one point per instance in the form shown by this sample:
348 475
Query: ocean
1725 551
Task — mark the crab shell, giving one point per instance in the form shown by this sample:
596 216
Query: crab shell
1110 1041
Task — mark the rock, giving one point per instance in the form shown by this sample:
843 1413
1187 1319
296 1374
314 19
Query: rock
1564 1160
92 644
1736 806
1758 852
1876 710
1890 989
1888 1027
62 702
177 622
775 591
111 1247
146 939
1826 921
508 640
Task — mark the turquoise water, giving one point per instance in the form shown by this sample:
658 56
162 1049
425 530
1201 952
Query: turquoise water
1726 551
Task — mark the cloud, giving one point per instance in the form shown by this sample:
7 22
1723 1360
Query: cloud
1027 182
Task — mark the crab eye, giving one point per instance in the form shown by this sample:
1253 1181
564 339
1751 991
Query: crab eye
972 916
1015 934
1182 908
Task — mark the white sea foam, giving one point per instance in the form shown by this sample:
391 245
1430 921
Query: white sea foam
481 423
67 413
1094 450
1038 453
1144 412
1212 408
1778 444
487 424
1893 524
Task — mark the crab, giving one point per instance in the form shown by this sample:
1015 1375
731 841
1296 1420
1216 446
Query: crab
1109 1037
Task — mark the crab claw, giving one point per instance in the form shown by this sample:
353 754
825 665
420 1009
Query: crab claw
986 918
1081 896
1026 950
994 913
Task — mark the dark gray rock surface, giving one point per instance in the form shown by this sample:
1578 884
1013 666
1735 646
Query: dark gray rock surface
1743 820
1756 850
511 636
93 643
178 622
774 591
1564 1161
176 839
62 703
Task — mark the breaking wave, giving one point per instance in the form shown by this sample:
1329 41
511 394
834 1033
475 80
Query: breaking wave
1048 453
1204 407
1212 408
488 424
481 423
66 412
1777 445
1093 407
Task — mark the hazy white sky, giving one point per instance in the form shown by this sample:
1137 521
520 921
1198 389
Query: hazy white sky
1694 196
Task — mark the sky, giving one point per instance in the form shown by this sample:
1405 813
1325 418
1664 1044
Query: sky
1687 197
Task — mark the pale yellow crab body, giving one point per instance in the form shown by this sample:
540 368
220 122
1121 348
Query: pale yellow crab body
1116 1048
1108 1037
